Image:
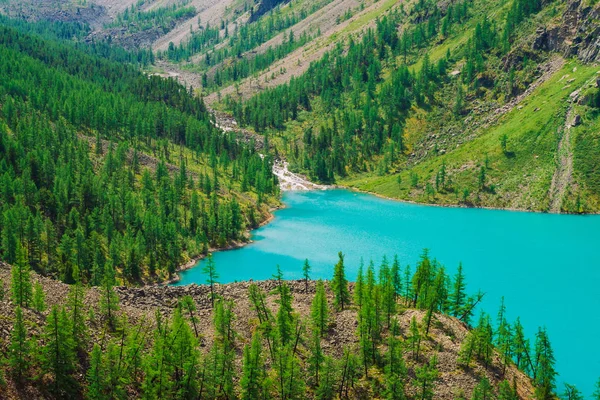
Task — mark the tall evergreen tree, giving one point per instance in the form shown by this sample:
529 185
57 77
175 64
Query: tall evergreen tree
319 311
22 293
544 373
96 382
210 270
39 297
457 295
109 301
306 274
254 381
426 376
339 284
58 351
19 347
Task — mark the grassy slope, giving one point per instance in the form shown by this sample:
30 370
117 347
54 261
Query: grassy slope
521 178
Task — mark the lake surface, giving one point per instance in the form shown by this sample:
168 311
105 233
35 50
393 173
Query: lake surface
546 266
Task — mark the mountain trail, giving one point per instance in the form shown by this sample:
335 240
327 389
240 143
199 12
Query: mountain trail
564 169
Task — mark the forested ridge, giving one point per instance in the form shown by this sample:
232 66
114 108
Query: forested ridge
101 164
396 333
401 103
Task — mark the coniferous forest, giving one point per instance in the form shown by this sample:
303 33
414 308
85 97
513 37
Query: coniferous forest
138 137
402 327
103 164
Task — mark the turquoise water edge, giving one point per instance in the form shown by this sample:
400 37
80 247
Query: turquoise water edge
546 266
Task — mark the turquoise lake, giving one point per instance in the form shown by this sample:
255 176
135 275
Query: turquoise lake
546 266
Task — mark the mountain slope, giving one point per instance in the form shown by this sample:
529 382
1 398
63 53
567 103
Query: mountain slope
100 162
390 110
145 312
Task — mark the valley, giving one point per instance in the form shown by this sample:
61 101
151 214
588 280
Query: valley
290 199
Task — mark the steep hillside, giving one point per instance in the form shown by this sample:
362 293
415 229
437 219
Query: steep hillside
100 163
476 103
152 323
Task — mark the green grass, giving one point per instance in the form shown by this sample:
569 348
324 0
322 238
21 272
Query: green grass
521 180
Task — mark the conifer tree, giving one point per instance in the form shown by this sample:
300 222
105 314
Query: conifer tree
21 280
422 279
290 383
316 358
339 284
19 347
395 370
224 348
504 340
426 376
306 274
58 351
185 356
388 292
544 373
359 287
326 388
396 278
521 349
319 311
114 367
414 339
506 391
253 381
77 314
483 390
435 296
457 295
571 393
210 270
96 376
285 318
157 366
109 301
39 297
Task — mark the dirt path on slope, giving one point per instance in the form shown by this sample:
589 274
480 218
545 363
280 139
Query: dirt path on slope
564 168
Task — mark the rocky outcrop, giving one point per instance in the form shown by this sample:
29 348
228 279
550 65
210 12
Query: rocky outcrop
577 35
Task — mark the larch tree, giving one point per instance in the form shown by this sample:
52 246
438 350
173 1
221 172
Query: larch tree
210 270
22 292
58 351
339 284
285 317
395 368
19 347
426 376
306 268
319 311
39 297
95 378
571 393
544 372
253 381
109 301
77 314
457 297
